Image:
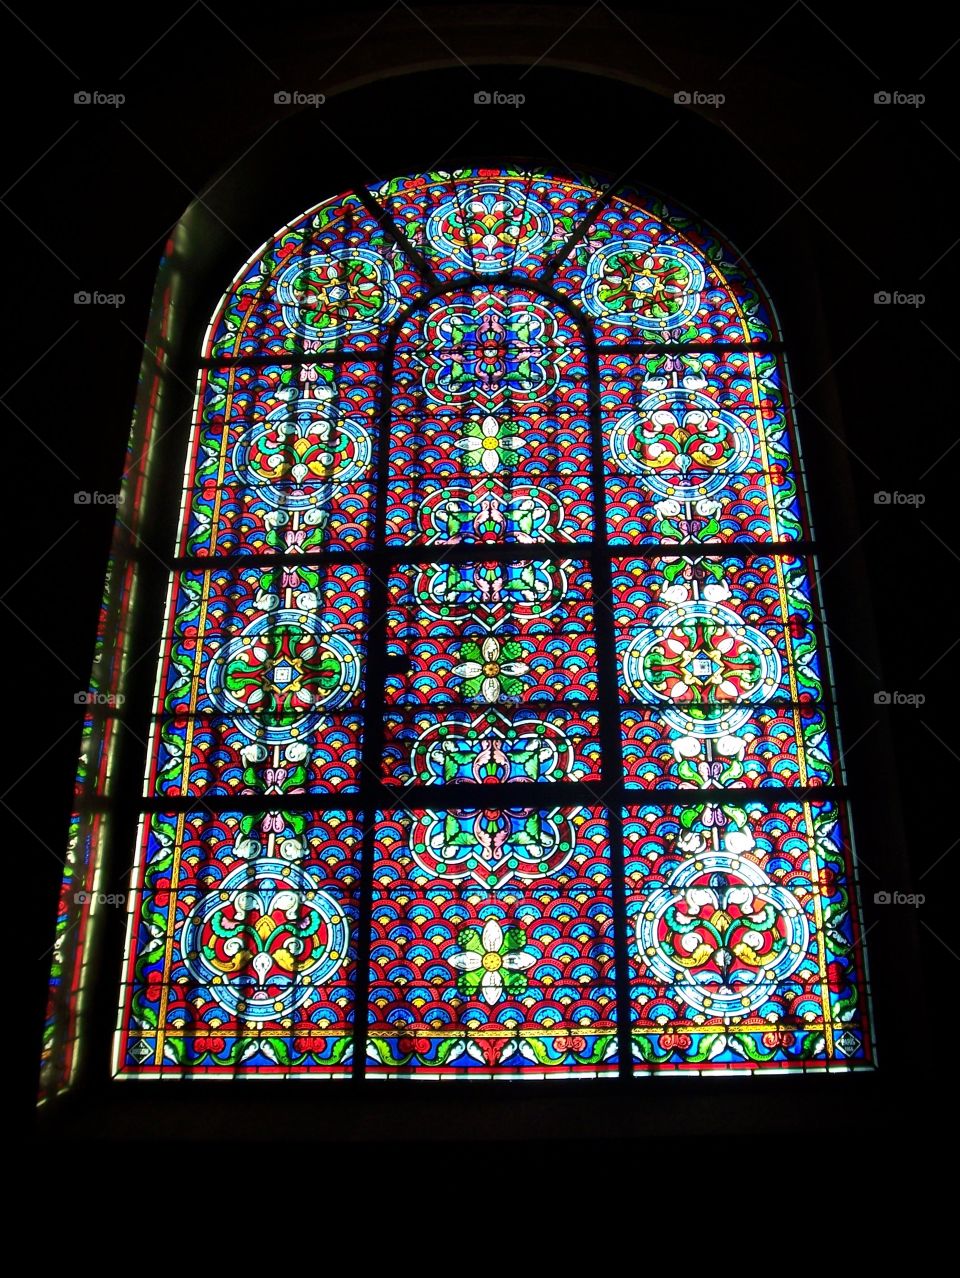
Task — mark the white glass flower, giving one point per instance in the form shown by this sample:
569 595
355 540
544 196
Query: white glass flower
492 961
489 446
737 841
292 849
667 509
491 670
691 842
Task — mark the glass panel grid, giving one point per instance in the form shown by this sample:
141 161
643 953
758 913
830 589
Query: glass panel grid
578 568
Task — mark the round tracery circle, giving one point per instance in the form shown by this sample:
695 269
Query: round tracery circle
264 940
706 665
277 677
722 934
682 443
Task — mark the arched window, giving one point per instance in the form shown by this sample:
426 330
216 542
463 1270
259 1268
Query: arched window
493 733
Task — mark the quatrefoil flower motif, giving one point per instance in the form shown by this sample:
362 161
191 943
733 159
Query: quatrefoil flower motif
489 444
491 670
492 962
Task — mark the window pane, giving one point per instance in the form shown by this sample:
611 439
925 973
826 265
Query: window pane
698 447
242 940
282 460
261 683
490 428
492 944
744 937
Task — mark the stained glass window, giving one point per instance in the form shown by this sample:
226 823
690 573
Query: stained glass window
494 733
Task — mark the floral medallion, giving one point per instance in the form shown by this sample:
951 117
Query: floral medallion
330 295
706 665
491 847
264 940
722 933
652 289
280 672
301 451
682 442
490 228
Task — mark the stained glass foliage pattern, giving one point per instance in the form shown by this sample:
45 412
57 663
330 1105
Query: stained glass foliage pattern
492 944
490 426
698 447
260 690
744 937
283 460
720 665
244 928
494 604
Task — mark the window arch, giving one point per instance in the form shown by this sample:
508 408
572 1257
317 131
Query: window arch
494 733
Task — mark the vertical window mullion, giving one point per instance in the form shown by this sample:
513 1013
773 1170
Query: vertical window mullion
609 711
371 794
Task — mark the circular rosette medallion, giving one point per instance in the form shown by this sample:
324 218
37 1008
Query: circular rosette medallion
283 670
651 289
722 934
300 450
264 940
488 348
490 228
332 295
706 665
682 443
